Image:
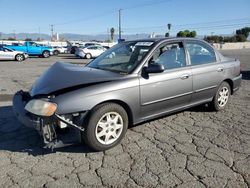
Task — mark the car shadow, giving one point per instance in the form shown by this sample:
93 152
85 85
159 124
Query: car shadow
245 75
15 137
70 57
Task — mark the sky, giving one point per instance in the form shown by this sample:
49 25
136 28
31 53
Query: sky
137 16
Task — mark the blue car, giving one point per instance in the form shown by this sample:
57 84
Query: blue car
33 49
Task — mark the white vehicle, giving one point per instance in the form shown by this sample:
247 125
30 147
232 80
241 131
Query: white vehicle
90 51
59 50
8 54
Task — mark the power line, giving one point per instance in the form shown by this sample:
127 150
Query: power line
112 11
235 21
147 4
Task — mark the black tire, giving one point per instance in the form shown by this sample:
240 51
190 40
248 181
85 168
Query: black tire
19 57
56 52
90 133
88 56
46 54
216 104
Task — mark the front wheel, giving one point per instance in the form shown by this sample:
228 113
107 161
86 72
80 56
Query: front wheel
56 52
106 127
45 54
221 97
19 57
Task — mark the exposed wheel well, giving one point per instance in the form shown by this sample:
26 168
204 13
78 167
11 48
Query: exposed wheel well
125 106
231 84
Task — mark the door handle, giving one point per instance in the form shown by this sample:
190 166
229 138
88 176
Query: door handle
220 69
184 76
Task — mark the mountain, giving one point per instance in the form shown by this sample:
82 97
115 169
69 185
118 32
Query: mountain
70 36
83 37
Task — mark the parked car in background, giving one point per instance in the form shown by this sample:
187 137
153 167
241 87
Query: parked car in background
90 51
60 50
72 49
9 54
90 44
33 49
132 82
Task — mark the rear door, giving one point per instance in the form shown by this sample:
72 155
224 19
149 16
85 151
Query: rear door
171 89
207 71
93 51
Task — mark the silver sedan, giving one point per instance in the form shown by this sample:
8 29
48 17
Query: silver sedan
8 54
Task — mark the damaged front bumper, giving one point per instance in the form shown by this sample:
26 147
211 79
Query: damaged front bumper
50 128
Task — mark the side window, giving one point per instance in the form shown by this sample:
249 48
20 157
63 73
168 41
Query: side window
171 56
92 47
200 53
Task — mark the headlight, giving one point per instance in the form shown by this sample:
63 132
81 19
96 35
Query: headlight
41 107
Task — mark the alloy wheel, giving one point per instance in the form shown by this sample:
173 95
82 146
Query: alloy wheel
109 128
223 96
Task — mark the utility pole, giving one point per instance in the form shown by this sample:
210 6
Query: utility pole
52 31
120 31
39 33
108 31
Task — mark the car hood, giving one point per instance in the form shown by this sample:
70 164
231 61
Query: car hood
65 76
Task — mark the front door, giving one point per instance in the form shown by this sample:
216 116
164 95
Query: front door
34 48
171 89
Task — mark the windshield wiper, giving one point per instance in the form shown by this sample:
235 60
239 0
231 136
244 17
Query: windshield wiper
113 70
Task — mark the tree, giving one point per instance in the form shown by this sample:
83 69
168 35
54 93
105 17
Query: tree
241 38
28 39
180 34
186 33
112 33
11 38
243 31
192 34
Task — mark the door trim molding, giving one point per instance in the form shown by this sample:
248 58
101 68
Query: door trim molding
167 98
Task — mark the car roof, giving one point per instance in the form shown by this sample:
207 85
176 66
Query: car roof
165 39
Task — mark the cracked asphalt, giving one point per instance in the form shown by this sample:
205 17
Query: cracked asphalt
192 148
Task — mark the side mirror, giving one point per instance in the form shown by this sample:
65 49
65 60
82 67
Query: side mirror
154 68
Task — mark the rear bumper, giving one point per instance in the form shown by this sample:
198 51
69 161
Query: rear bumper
236 82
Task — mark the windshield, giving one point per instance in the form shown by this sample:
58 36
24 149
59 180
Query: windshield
122 58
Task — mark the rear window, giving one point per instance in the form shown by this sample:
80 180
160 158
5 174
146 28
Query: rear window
200 53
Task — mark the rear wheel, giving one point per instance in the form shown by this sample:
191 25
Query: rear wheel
46 54
19 57
106 127
221 97
88 56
